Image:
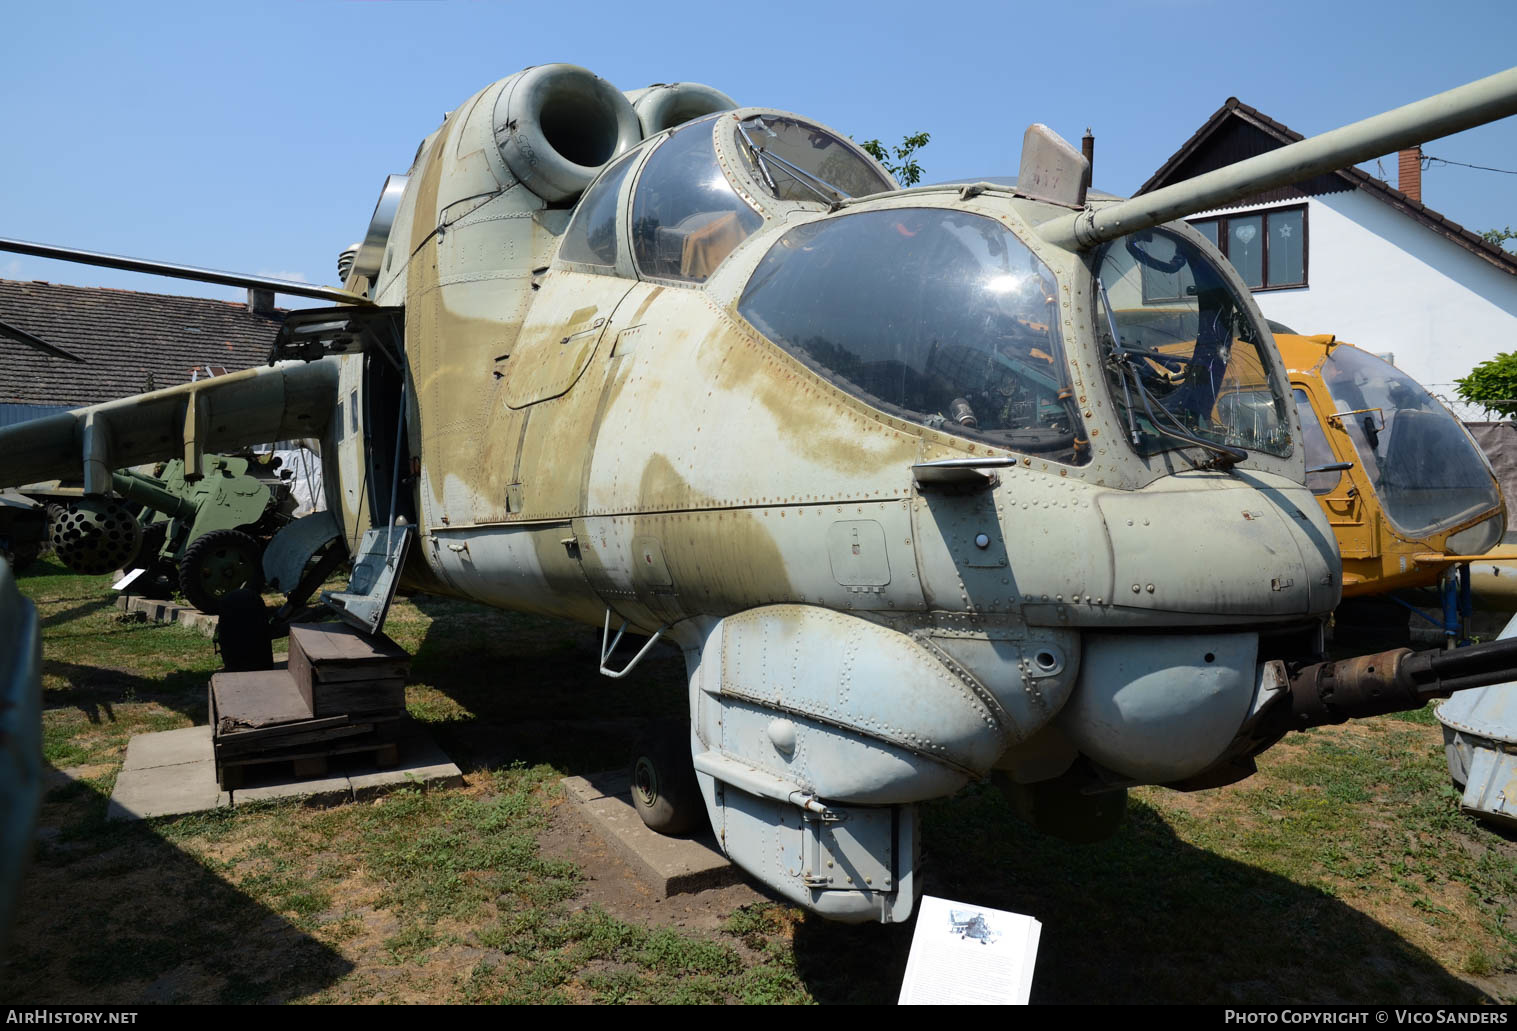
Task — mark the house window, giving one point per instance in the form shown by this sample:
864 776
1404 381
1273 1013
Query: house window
1268 248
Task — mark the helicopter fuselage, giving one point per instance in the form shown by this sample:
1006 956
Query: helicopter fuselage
864 629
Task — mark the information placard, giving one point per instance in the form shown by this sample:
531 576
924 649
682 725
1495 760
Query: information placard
969 955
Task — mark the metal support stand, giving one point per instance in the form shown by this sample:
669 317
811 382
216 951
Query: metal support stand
605 651
1458 606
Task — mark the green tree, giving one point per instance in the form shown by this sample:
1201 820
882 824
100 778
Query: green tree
1498 237
903 165
1492 385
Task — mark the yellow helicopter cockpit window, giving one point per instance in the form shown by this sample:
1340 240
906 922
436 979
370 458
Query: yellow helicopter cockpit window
1186 363
1427 471
941 317
1319 452
686 217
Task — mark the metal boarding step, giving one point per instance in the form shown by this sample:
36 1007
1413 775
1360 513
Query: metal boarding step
376 574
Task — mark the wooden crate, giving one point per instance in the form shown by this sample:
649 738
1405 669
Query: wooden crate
254 700
339 670
260 718
299 763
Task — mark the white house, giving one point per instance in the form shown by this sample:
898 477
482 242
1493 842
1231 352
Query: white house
1348 254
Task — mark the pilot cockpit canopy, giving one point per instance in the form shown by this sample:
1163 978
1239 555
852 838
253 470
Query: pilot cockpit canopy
794 160
700 190
686 217
591 237
943 318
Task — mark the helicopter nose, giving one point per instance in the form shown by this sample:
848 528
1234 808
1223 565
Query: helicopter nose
1221 546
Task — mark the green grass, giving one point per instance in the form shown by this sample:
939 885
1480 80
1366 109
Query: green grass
1342 872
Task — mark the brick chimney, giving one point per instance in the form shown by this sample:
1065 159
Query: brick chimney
260 302
1409 173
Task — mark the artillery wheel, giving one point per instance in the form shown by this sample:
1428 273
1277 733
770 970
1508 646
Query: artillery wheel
664 790
216 564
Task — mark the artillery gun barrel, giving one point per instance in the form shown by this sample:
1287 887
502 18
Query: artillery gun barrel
154 493
1463 107
1393 681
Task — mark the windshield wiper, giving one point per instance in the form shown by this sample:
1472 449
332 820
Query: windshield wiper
1226 455
762 157
757 153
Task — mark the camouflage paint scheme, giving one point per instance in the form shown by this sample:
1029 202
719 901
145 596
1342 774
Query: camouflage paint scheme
600 445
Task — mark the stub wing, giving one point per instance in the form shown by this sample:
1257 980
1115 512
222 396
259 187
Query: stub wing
257 406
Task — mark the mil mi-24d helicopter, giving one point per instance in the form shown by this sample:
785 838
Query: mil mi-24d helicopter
894 468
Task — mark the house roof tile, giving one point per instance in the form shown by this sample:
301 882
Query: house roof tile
77 345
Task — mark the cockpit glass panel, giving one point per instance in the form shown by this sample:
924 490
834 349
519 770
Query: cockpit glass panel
940 317
686 218
1185 362
1318 452
1426 470
796 160
591 236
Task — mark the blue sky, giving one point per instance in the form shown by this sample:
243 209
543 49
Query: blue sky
255 137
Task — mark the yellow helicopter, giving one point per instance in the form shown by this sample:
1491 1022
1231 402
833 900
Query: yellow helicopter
1411 498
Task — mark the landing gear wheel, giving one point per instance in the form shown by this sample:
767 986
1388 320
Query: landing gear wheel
243 632
216 564
664 790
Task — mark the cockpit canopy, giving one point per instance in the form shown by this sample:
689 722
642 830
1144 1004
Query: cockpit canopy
692 199
686 216
937 316
940 317
1427 471
1185 361
798 161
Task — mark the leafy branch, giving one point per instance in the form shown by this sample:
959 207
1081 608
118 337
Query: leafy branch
1492 384
1498 237
903 164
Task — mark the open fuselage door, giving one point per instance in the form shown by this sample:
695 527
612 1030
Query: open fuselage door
374 498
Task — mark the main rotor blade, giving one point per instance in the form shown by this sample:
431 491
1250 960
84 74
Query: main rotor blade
163 268
1463 107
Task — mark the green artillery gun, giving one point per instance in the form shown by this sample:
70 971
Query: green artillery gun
204 534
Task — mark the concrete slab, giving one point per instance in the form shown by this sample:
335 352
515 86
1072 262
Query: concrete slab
422 763
315 791
174 772
158 611
671 866
168 748
204 622
165 791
